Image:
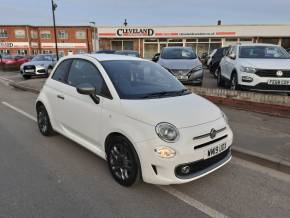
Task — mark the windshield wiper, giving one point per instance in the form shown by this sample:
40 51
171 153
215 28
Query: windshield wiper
165 93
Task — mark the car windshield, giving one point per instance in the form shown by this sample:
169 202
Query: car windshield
178 53
263 52
135 79
128 53
42 58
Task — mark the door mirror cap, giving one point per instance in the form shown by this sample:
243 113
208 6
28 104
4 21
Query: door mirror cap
86 89
232 56
156 57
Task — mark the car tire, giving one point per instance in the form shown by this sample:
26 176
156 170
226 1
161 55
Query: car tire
43 121
234 85
215 74
26 76
123 161
220 80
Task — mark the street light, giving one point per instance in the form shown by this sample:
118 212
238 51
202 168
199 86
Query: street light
95 39
53 7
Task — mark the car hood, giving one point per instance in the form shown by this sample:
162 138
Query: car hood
45 63
181 111
266 63
179 64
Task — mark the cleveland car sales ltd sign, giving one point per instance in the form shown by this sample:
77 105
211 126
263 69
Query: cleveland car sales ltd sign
135 32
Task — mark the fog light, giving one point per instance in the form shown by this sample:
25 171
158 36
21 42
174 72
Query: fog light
185 169
247 79
165 152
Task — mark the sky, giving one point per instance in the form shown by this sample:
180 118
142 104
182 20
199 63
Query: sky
145 12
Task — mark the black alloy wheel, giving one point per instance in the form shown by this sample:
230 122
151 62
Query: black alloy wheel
220 80
43 121
123 161
234 82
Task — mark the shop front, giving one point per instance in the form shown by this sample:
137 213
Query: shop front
203 39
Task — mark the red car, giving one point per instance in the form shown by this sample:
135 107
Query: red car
13 60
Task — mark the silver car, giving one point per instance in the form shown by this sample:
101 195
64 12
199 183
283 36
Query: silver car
183 63
41 64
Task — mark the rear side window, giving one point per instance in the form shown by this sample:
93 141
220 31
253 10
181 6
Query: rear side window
61 71
83 71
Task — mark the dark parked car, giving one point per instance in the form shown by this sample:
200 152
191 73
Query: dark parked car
203 58
128 53
216 59
105 52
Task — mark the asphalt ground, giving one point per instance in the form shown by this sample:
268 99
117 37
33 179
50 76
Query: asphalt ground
55 177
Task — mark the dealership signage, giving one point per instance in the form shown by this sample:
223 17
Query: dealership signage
135 32
14 44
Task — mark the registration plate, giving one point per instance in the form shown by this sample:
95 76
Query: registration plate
279 82
29 71
215 150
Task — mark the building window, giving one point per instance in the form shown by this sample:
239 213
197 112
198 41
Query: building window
81 35
22 52
4 52
61 53
61 34
80 51
45 34
270 40
3 33
19 33
122 45
286 43
33 34
35 52
46 52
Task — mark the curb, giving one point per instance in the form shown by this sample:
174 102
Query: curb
24 88
264 160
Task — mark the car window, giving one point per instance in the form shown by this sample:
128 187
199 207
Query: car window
82 72
61 71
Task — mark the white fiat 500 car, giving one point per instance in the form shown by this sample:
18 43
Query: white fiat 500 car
262 67
136 115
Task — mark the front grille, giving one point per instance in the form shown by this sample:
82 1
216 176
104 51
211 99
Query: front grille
272 73
267 87
208 134
198 167
180 72
29 67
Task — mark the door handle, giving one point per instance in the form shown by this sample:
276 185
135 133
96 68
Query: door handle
60 97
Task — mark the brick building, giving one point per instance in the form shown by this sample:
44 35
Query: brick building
32 40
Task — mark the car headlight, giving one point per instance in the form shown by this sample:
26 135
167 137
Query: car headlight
167 132
248 69
225 117
195 69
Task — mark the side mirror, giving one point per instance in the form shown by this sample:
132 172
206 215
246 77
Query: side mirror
232 56
88 89
156 57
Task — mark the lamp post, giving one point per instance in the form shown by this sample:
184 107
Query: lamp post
95 39
53 7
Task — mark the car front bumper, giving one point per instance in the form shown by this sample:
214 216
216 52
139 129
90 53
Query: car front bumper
262 83
33 70
191 78
165 171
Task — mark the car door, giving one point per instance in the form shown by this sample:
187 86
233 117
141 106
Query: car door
232 57
227 63
54 90
80 115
